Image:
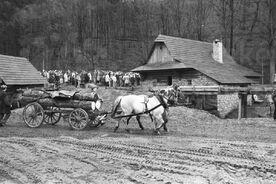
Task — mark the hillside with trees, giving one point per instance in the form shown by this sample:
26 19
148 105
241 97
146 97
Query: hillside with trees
118 34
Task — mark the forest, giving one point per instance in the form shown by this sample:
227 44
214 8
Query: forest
118 34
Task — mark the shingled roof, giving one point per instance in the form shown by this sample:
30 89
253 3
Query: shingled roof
19 71
198 55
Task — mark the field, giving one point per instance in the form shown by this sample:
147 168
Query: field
199 148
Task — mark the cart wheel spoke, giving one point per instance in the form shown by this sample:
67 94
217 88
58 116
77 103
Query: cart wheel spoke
53 116
78 119
31 121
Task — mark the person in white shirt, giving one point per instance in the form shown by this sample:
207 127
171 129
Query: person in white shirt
65 77
90 77
114 79
107 79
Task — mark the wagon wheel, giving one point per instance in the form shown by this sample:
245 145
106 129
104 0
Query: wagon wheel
78 119
33 115
52 118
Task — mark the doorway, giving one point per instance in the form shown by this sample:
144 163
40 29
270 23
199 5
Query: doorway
169 80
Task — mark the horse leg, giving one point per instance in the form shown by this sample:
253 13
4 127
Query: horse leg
156 130
162 123
165 126
139 122
165 119
127 122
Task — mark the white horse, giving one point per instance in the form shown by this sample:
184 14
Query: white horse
135 105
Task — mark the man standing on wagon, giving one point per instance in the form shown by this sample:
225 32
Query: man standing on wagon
5 105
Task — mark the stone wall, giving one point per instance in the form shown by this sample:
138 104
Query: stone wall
227 103
201 80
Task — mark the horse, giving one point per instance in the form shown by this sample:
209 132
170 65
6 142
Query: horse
135 105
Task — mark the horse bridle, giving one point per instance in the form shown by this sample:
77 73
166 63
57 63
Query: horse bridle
167 98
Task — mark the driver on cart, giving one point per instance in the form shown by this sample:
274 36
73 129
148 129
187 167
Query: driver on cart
96 106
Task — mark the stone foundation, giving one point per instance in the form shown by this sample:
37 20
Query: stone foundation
227 103
201 80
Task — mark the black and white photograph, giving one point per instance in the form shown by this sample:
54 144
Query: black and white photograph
137 91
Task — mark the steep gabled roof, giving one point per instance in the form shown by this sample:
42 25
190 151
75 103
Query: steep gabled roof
198 55
19 71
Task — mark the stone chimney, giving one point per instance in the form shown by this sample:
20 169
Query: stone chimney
217 51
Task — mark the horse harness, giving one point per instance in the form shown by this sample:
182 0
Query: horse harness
147 111
161 101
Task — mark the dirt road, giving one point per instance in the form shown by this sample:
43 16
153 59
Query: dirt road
199 149
108 159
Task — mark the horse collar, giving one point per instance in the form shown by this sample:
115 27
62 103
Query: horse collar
161 100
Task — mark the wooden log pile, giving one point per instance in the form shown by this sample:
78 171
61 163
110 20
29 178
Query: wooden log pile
65 103
82 100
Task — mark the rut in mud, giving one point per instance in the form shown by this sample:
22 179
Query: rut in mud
135 160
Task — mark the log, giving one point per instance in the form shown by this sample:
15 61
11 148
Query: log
35 93
25 100
85 96
81 95
65 103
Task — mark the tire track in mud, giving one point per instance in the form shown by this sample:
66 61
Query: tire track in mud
137 161
177 160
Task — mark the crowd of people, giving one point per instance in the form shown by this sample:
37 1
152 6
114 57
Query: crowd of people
99 77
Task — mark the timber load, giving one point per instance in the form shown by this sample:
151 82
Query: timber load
61 99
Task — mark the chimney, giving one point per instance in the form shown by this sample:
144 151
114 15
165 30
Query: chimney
217 51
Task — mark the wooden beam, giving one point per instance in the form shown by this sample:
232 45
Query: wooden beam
260 89
240 107
244 98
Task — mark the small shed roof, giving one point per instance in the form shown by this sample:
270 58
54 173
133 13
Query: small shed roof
19 71
198 55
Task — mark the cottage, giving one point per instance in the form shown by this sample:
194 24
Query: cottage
18 72
174 60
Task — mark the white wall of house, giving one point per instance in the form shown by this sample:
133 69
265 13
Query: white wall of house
160 54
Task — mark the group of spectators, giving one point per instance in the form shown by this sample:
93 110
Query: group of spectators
99 77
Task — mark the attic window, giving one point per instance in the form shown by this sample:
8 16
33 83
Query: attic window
189 81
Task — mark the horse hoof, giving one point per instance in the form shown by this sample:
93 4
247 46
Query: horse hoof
115 129
157 132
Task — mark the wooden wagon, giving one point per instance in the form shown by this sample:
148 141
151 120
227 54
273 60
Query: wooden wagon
49 107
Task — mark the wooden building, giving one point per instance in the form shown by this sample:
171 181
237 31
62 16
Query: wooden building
186 62
18 72
190 62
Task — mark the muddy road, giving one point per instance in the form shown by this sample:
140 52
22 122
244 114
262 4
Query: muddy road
199 148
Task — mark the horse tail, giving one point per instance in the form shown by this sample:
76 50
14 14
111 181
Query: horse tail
116 106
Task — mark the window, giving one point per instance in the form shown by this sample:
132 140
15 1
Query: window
189 81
